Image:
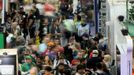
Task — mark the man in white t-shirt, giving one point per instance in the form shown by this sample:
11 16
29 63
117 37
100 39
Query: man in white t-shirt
28 8
84 28
41 8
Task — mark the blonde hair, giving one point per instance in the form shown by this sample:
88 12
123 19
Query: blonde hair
107 58
33 71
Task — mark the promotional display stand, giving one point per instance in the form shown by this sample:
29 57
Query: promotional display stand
8 62
124 43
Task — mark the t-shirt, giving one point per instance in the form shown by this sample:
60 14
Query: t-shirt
41 8
42 47
69 25
83 30
27 8
9 38
27 66
43 30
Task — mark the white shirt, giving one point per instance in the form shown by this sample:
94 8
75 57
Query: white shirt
42 47
57 62
8 38
27 8
83 30
41 8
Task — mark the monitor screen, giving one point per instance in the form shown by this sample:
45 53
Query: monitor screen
8 65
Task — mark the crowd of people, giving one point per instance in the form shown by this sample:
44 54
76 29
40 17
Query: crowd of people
59 45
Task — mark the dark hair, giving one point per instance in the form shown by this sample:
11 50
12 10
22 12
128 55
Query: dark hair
99 65
78 17
80 66
105 68
48 68
121 18
100 36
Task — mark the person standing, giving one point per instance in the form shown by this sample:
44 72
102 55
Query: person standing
44 28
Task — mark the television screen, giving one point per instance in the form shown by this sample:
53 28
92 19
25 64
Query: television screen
8 65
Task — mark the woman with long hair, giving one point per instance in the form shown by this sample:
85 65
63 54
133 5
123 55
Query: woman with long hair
47 61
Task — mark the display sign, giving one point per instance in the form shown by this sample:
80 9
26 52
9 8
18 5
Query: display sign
5 71
8 62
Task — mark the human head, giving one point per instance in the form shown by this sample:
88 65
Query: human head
78 46
33 71
30 41
31 12
83 52
46 58
27 52
99 35
20 41
48 70
107 58
21 8
57 41
61 68
46 39
81 69
95 53
51 45
79 55
99 66
28 59
14 24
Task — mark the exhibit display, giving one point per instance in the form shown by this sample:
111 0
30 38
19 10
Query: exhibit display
8 62
8 65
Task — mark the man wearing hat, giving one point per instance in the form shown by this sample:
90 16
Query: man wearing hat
93 60
25 67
